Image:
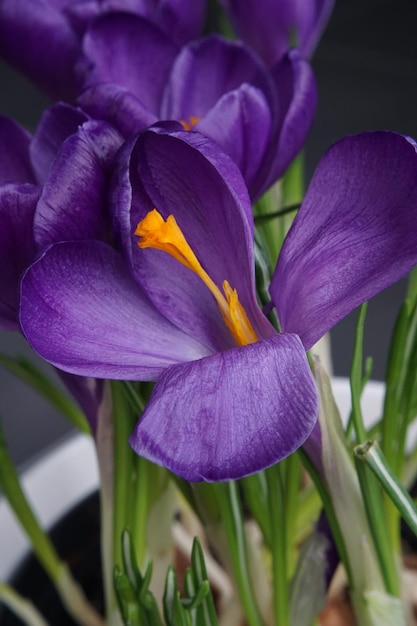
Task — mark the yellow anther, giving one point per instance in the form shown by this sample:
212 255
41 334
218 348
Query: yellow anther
166 235
240 327
192 121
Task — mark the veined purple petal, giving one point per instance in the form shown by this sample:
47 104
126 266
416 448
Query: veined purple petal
15 165
73 202
231 414
271 27
117 106
36 38
297 98
205 70
130 52
82 312
184 174
240 123
354 235
17 247
58 122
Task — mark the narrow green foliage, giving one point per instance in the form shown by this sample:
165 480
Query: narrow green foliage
28 373
138 606
372 455
356 375
255 496
368 484
10 484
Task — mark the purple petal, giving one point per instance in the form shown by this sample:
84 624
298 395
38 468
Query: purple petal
297 101
240 123
231 414
72 204
270 26
205 70
81 311
39 42
117 106
130 52
17 247
57 123
182 20
186 175
354 234
15 165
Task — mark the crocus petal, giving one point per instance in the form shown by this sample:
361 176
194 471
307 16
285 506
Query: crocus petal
81 311
205 70
117 106
130 52
270 27
72 204
182 20
17 247
58 122
231 414
39 42
297 97
186 175
240 123
15 165
354 234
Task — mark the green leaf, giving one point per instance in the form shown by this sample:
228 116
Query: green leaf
28 373
371 454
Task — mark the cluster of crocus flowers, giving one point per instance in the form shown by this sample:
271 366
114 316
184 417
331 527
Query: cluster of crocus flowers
176 301
134 64
143 231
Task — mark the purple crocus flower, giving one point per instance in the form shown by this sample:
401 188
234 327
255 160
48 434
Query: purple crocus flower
233 396
52 187
260 117
42 38
45 182
271 27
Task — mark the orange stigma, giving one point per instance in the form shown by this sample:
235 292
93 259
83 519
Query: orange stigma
155 232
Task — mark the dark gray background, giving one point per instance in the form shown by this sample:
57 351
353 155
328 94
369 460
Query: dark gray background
366 67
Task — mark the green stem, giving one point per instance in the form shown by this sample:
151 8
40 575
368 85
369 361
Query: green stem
141 507
356 375
22 608
233 525
371 453
325 498
374 506
124 471
279 544
293 468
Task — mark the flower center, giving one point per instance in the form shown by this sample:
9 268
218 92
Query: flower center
190 123
166 235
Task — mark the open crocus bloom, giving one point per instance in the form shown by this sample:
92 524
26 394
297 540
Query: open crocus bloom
178 306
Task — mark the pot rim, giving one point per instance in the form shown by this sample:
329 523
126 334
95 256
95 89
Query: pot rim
54 482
